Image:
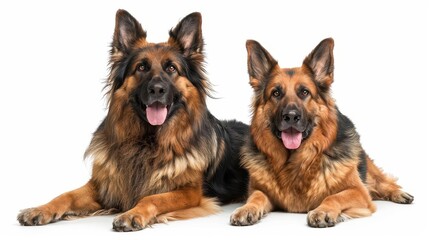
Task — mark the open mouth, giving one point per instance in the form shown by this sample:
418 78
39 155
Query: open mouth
156 113
291 138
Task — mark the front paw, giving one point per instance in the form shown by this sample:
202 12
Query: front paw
245 216
36 216
323 218
129 221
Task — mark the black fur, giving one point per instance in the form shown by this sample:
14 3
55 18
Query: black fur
229 182
224 179
159 150
346 137
346 140
362 167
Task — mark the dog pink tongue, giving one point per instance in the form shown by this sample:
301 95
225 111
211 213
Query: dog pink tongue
291 138
156 113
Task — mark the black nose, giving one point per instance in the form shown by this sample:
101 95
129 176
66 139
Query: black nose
157 89
292 117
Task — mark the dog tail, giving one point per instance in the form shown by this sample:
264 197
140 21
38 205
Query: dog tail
101 212
358 212
207 206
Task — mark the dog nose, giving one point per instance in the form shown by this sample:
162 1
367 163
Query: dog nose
292 116
156 89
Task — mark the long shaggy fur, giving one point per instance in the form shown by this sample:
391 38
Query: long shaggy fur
159 154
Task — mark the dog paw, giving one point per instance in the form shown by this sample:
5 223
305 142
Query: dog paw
36 216
128 222
402 197
245 216
322 219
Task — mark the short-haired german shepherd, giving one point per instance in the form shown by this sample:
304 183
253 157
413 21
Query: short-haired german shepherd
159 154
304 155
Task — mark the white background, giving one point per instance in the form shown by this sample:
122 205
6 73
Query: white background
53 61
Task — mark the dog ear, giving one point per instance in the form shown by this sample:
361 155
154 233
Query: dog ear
259 63
320 62
127 31
188 34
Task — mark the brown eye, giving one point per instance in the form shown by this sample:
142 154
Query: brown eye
304 93
171 69
276 93
143 67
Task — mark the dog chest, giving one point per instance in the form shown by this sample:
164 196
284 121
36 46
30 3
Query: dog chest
123 181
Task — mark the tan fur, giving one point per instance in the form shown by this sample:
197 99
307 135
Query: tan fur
147 173
207 206
79 202
307 179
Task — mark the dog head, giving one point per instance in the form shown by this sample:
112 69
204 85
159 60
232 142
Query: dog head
290 101
156 80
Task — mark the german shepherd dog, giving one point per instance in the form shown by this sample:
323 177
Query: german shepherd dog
159 154
304 155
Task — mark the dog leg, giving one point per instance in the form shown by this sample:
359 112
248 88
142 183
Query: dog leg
384 187
79 202
353 202
148 208
257 205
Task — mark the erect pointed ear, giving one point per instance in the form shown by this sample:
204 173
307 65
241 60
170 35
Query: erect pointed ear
188 34
320 62
260 63
127 31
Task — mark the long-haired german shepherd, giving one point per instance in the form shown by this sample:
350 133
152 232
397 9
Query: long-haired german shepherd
304 155
159 154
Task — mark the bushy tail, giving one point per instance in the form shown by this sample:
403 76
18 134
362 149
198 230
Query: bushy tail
100 212
207 206
358 212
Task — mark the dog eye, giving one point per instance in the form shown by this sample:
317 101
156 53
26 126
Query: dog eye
171 69
304 93
143 67
276 93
